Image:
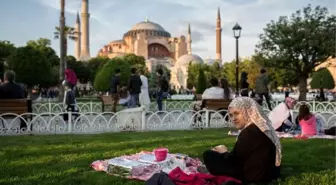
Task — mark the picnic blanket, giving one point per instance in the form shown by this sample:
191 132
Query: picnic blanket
142 166
292 135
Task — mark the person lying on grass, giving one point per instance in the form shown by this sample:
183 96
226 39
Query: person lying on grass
256 156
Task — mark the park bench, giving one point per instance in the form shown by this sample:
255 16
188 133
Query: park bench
18 107
106 100
210 105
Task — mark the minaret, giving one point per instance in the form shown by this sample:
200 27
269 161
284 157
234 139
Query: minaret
218 37
85 34
78 35
189 40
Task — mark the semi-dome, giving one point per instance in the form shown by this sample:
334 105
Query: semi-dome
184 60
148 27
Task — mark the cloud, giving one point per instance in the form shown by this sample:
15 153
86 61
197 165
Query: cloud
74 6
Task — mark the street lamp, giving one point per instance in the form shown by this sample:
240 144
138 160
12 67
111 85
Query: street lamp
236 33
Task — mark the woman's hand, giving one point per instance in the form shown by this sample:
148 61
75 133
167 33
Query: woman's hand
220 149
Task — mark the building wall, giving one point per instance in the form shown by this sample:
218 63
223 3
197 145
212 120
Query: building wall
330 64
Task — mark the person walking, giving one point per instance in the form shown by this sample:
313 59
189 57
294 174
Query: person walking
115 89
262 82
144 95
134 88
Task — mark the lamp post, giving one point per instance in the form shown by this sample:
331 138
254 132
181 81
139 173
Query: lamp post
236 33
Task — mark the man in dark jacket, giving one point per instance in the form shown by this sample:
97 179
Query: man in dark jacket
10 89
134 88
161 88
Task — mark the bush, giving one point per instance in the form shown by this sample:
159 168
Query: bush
201 83
103 77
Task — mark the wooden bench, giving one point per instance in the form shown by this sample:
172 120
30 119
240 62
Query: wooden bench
215 105
106 100
16 106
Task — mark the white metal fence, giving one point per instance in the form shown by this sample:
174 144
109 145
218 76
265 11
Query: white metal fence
95 106
127 120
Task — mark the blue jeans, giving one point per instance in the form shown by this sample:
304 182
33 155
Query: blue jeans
159 97
134 98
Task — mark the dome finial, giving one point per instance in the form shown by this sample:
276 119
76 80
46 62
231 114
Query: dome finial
146 19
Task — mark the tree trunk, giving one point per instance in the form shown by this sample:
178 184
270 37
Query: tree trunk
65 52
61 75
302 88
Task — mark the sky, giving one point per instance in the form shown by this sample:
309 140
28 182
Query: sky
24 20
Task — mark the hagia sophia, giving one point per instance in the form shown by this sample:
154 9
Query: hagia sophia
153 42
156 45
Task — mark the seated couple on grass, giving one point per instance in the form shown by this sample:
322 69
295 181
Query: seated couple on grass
306 122
256 156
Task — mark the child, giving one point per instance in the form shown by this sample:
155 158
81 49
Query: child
307 121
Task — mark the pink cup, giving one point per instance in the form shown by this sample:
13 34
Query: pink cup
160 154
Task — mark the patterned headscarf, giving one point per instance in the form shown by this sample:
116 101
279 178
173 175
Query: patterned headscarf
255 115
290 102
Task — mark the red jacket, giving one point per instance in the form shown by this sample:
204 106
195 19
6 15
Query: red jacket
180 178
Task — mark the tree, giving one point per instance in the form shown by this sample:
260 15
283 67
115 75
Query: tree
103 78
322 79
6 49
44 45
80 68
94 65
69 33
193 72
30 65
202 82
299 43
137 62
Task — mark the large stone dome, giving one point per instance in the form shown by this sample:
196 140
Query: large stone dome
184 60
150 28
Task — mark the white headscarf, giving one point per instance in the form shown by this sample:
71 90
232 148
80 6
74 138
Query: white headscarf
255 115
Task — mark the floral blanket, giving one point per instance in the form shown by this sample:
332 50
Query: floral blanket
142 165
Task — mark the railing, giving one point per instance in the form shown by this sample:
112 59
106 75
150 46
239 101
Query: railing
92 106
128 120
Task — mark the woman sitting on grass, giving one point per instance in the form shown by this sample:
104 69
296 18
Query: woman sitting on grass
307 121
256 156
310 125
282 116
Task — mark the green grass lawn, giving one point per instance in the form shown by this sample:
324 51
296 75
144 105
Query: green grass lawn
65 159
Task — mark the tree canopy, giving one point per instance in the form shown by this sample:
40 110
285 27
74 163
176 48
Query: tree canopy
30 65
44 45
103 77
6 49
322 79
299 43
80 68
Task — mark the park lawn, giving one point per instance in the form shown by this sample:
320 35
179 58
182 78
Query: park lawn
65 159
